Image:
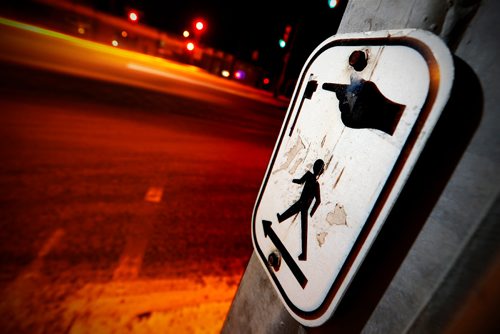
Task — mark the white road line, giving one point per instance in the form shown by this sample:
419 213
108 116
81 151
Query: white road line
50 243
130 262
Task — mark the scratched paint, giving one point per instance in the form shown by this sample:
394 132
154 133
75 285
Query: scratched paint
335 167
327 165
338 178
321 238
338 216
291 154
296 165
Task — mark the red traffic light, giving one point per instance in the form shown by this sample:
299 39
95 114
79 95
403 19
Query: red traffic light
133 16
286 34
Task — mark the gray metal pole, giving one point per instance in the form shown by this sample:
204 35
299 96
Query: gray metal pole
455 257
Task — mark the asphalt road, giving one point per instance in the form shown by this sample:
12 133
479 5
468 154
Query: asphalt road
124 180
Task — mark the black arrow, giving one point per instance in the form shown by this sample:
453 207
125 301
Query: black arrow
299 275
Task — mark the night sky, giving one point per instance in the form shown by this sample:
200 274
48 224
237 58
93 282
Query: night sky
240 27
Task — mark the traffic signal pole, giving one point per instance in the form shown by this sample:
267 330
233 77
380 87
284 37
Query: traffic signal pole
445 279
291 34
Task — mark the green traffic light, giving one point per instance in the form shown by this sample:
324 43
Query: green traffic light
332 3
282 43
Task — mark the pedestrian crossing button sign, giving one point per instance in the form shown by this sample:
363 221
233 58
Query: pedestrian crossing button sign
362 110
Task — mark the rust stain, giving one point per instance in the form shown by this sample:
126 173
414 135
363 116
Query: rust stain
328 162
338 178
338 216
375 61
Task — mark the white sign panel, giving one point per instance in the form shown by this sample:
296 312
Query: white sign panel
362 110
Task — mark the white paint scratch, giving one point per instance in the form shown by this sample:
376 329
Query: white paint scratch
291 154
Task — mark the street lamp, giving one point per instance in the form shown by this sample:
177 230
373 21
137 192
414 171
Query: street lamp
190 46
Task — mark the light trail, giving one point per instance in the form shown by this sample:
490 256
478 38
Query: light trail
63 55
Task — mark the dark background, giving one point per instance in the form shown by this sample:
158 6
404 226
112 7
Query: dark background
240 27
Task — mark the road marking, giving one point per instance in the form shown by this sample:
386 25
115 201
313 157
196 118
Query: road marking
50 243
154 194
128 267
130 262
21 296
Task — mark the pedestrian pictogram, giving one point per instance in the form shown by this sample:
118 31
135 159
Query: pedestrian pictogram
310 192
364 107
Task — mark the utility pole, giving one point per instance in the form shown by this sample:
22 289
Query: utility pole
289 41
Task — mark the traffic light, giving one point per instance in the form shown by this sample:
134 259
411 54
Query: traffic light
286 36
133 16
332 3
199 25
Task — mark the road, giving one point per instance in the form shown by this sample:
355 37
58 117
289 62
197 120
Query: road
127 186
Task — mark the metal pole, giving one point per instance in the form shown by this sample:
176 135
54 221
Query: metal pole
286 59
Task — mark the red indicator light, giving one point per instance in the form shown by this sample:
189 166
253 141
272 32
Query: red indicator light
133 16
199 25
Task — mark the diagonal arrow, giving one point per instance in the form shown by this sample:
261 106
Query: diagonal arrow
299 275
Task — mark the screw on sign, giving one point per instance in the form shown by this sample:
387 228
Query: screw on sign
364 106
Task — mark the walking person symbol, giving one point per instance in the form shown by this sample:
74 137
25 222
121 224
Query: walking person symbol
309 192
